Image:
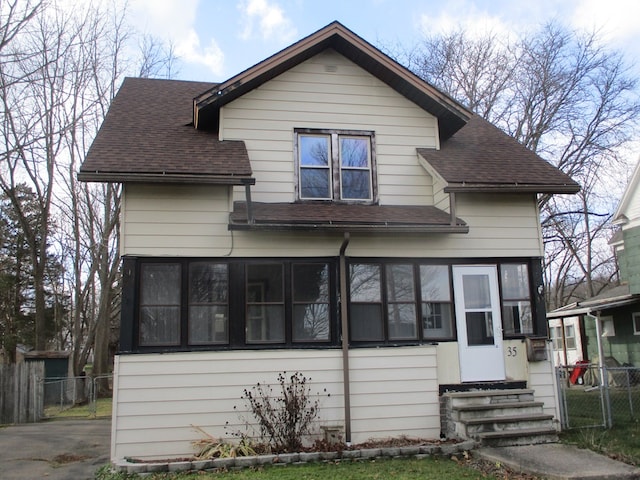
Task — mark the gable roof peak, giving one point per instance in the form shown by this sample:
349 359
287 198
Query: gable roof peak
451 115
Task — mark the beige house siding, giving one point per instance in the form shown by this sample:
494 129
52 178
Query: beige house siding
159 397
167 220
542 380
328 91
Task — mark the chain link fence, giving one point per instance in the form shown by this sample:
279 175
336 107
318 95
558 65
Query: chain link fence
594 396
63 393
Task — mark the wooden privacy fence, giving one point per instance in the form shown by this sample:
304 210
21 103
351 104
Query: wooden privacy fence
21 392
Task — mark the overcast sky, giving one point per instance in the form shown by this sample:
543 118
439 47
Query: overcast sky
217 39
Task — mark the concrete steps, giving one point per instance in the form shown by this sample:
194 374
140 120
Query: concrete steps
498 417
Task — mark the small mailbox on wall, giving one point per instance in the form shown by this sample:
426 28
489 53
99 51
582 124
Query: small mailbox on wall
536 349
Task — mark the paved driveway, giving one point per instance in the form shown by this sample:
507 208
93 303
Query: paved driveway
56 450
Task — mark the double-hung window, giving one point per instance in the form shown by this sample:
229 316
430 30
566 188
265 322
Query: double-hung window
335 165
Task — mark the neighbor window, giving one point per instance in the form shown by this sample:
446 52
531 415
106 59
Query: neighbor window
636 323
335 165
569 337
516 299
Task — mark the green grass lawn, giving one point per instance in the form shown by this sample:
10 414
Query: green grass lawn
100 410
398 469
585 414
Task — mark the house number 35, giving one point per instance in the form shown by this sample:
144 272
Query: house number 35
512 351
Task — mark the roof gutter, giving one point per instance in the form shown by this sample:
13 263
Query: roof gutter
350 228
513 188
108 177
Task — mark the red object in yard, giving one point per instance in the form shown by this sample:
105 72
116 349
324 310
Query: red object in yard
578 371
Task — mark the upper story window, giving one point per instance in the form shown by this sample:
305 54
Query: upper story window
335 165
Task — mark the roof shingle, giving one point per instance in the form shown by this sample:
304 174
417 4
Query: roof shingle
148 131
481 155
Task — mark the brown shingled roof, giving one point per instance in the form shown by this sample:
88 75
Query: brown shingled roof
148 135
482 157
344 217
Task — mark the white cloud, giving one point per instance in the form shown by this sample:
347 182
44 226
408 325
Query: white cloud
265 19
174 21
465 15
615 19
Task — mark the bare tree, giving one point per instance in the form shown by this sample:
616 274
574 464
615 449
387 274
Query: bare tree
59 71
567 98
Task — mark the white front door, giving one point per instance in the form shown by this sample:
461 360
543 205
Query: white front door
479 323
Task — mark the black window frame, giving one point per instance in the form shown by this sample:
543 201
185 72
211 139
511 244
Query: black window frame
131 271
237 304
335 168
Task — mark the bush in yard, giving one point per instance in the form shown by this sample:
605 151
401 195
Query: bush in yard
284 418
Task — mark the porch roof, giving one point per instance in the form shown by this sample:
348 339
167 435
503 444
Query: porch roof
616 297
321 216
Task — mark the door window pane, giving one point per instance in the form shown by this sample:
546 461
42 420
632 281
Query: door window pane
311 302
265 304
476 291
160 304
479 328
208 303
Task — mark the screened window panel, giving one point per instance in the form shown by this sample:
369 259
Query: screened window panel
311 302
160 304
265 321
366 322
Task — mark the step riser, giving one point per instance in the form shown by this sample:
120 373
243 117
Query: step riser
461 415
528 426
493 400
518 441
472 430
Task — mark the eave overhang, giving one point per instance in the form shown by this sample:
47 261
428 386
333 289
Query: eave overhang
451 115
115 177
512 188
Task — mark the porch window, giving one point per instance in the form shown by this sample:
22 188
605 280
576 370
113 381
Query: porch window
389 299
366 302
187 304
208 303
335 165
265 304
311 302
160 304
437 318
517 316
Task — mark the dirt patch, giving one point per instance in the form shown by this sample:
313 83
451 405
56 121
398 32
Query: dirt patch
488 468
67 458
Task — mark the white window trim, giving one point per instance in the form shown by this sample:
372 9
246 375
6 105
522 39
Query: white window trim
335 165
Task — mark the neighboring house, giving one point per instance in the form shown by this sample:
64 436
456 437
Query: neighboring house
616 310
326 172
566 340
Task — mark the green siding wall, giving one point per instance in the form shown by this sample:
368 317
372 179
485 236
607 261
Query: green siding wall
630 261
624 346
